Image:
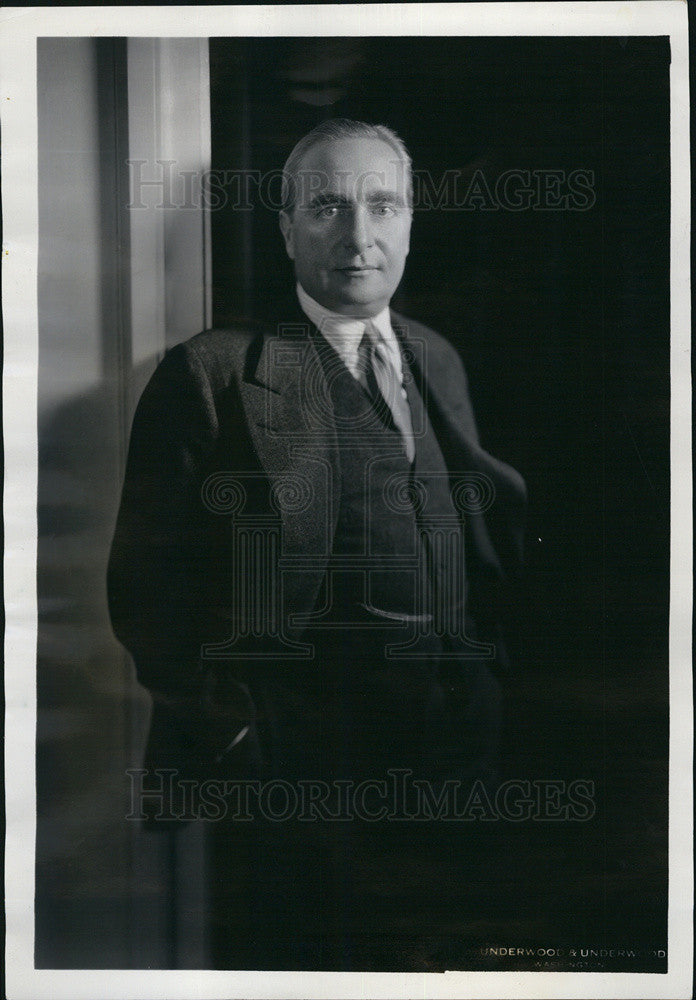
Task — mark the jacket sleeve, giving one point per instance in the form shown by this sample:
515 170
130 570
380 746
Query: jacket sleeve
161 578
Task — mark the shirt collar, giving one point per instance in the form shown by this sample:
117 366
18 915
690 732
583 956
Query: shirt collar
344 333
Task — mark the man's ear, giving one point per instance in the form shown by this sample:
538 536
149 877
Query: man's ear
285 223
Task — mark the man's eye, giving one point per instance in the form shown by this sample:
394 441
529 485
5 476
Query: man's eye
328 211
384 210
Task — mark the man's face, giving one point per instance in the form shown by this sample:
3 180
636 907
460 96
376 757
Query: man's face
348 233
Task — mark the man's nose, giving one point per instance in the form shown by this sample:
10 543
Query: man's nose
358 234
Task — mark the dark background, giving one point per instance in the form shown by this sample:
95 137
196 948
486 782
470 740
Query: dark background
562 318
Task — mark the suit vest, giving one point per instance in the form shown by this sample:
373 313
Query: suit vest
398 547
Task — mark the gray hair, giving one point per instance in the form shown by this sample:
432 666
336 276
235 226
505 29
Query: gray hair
340 128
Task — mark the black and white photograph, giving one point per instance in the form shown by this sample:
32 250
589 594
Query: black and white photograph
348 518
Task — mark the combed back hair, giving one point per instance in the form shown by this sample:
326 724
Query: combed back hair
339 128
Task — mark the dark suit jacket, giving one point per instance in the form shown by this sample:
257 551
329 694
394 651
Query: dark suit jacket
235 422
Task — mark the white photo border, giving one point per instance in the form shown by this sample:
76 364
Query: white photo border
19 30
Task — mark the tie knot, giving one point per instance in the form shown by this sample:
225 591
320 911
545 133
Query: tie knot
375 347
371 335
366 348
378 374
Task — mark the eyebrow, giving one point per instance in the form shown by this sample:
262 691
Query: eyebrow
373 198
385 197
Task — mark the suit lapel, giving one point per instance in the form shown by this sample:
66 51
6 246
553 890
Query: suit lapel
291 421
290 418
449 409
438 384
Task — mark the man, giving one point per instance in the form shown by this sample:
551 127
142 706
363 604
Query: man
310 555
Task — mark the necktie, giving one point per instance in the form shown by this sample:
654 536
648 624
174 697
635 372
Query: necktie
380 377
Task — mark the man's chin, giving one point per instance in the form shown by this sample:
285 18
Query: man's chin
360 301
358 309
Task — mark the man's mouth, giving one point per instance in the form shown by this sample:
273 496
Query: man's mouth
360 269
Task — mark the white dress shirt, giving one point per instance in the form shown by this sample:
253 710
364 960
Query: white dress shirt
344 333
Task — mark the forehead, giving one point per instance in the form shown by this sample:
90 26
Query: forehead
352 167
